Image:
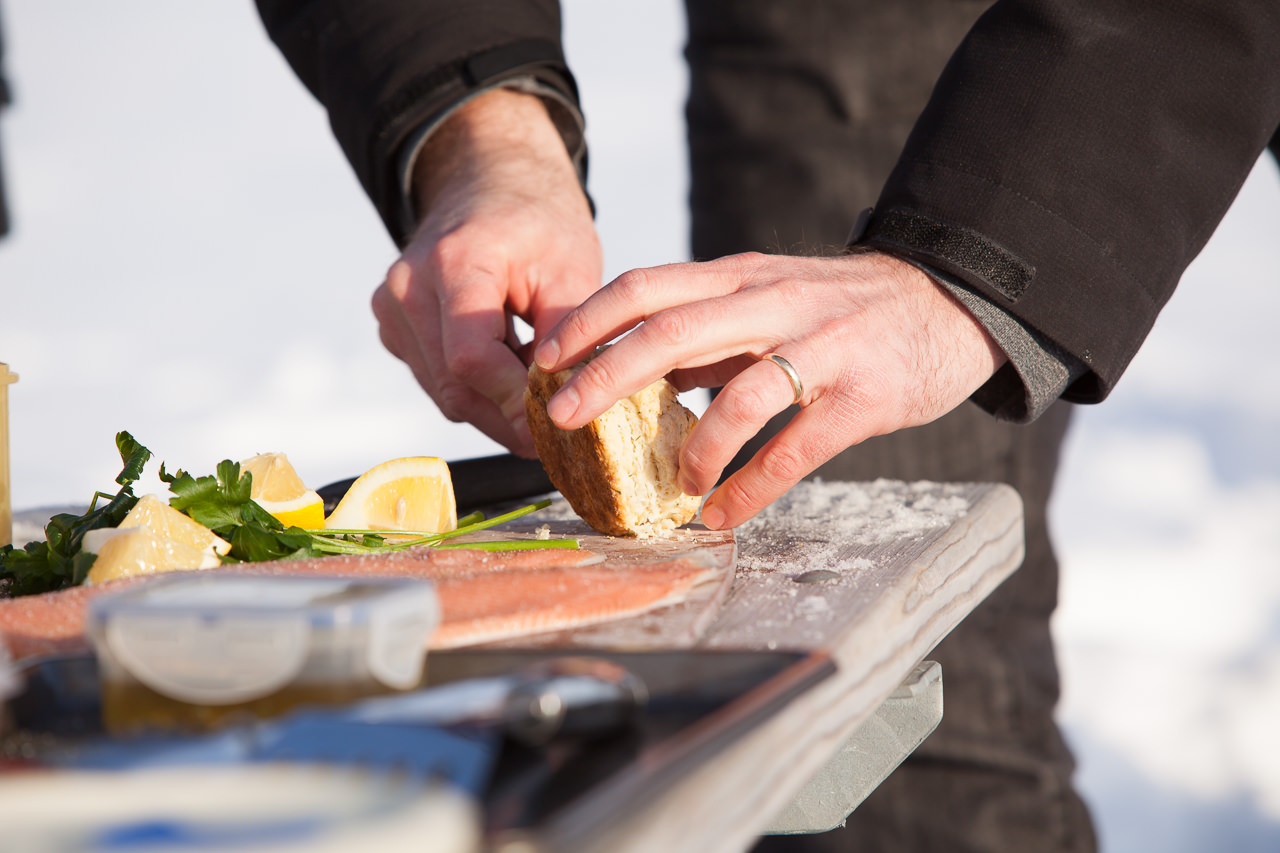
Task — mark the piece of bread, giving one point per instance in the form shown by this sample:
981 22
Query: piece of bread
619 471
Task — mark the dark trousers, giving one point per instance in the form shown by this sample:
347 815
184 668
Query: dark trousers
797 110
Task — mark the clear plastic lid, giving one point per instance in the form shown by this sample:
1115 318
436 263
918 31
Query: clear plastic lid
223 637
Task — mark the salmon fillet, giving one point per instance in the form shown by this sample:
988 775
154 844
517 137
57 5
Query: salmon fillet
484 595
497 606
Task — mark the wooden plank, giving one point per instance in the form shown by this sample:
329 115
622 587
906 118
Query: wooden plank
897 566
905 563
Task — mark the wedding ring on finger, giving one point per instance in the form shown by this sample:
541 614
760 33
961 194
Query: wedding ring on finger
792 376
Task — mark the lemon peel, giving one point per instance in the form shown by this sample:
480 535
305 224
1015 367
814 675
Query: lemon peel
279 490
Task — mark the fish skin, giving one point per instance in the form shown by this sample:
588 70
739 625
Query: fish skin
484 595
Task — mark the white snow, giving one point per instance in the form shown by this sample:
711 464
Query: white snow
193 261
1167 518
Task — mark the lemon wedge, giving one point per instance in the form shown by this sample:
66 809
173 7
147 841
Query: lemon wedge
171 525
413 493
279 490
127 551
152 537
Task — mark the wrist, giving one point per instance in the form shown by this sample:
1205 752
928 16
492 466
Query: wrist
494 133
955 339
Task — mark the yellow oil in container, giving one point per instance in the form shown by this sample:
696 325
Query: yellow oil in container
129 707
7 378
196 651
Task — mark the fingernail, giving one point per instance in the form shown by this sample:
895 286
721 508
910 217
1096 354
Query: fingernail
547 354
563 405
686 484
713 517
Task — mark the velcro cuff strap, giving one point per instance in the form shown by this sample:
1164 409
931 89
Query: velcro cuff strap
471 72
952 246
497 61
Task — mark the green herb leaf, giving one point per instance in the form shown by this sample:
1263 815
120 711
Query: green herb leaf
58 561
215 502
254 544
135 458
222 503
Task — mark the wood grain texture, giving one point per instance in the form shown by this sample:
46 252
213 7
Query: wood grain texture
903 565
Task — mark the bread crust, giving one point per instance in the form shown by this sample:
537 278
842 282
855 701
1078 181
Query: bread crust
619 471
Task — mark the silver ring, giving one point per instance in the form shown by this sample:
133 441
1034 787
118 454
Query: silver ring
785 366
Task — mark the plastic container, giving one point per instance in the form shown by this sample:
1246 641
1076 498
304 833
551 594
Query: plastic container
194 651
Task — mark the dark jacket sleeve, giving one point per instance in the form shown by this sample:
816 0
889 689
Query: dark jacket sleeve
1075 157
384 68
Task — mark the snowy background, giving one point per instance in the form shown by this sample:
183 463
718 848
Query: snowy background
192 261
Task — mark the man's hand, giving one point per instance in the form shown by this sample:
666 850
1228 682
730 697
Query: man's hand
877 344
505 231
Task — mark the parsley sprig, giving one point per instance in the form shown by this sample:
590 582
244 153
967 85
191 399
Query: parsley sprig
59 561
222 503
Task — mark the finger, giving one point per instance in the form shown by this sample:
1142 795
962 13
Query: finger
809 440
462 403
697 334
473 341
737 413
393 330
406 319
632 297
711 375
402 315
485 416
559 287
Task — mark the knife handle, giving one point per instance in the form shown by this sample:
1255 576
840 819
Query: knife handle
477 482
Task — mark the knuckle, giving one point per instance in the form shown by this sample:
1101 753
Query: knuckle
795 291
635 287
746 260
695 464
600 372
403 291
671 328
783 464
737 493
396 283
746 406
574 327
860 403
452 400
382 302
739 265
466 361
451 249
